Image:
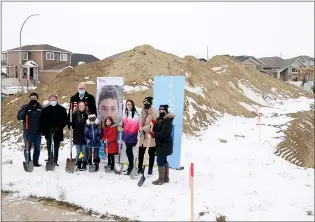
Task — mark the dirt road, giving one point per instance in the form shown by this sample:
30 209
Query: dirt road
17 209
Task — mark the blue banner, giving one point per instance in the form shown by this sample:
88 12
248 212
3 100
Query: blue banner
170 90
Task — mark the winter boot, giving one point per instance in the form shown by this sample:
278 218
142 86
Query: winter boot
139 171
84 166
160 180
166 175
97 163
78 166
128 171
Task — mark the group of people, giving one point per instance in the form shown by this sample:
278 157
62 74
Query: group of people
148 128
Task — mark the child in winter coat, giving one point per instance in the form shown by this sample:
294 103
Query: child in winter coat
92 136
110 136
78 124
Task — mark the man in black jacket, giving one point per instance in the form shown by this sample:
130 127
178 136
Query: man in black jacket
53 120
33 110
162 132
88 99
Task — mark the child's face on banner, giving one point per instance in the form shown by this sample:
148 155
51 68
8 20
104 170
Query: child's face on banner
109 107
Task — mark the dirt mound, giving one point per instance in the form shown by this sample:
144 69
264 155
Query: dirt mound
212 88
298 146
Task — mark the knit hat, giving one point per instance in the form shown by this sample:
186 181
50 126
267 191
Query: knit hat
164 107
148 99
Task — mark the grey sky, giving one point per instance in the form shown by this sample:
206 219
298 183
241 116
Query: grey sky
182 28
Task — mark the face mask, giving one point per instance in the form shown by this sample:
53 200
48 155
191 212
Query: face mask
81 92
33 102
53 103
92 119
161 115
147 106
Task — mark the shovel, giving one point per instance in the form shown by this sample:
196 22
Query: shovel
70 164
28 165
107 167
142 179
134 171
50 164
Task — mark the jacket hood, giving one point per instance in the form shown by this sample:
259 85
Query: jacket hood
88 122
169 116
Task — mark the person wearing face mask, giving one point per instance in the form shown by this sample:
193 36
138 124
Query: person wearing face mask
33 110
148 114
84 96
53 120
162 132
78 123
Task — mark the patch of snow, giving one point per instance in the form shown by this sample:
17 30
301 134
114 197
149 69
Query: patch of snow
215 69
87 77
187 75
137 88
14 100
63 97
250 94
215 82
198 90
273 89
223 71
89 82
45 102
232 85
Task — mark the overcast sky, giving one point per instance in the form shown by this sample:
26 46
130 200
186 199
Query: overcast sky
183 28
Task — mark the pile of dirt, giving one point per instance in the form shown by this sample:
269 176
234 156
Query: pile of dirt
212 88
298 145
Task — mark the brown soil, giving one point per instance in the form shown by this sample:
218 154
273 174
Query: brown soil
298 146
144 62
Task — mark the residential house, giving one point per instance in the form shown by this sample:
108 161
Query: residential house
202 60
285 69
250 61
77 59
39 62
306 60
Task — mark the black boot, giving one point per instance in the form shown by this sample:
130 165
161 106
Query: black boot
79 163
83 168
97 161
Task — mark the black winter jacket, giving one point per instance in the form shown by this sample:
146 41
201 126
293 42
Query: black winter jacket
78 124
163 135
89 101
34 113
54 119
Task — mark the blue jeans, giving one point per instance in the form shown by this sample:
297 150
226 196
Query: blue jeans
161 160
56 148
33 139
81 148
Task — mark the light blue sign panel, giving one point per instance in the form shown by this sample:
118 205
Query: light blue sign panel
170 90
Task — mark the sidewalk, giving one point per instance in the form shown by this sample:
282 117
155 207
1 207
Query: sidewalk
15 209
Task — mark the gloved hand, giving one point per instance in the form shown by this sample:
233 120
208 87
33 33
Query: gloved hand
151 134
87 141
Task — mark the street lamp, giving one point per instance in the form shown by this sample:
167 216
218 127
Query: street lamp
21 47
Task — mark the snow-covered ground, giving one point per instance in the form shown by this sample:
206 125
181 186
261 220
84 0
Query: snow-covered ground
241 179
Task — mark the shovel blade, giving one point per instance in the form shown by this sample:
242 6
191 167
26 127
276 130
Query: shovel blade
50 166
70 165
133 173
142 179
107 168
91 168
28 167
120 170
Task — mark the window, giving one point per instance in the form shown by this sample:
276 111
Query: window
63 57
4 57
50 56
294 70
24 56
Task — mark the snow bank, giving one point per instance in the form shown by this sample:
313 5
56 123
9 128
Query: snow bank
137 88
